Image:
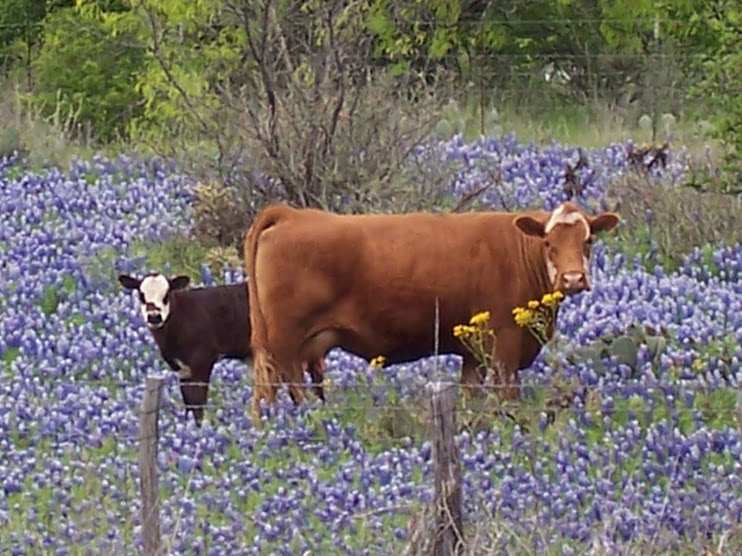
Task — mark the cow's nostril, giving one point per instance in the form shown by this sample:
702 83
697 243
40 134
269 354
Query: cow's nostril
575 281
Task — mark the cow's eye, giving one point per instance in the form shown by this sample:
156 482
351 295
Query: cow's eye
547 244
141 297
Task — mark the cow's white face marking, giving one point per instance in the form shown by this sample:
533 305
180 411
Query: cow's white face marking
552 270
154 302
561 216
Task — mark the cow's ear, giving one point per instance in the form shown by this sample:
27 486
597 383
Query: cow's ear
179 282
530 226
604 222
129 282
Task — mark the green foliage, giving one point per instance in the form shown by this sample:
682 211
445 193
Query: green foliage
86 496
177 255
171 74
83 69
10 141
720 87
276 100
20 22
188 54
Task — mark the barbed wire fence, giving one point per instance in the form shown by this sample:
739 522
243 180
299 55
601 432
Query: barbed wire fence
446 416
446 537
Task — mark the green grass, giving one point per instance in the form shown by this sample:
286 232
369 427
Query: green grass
82 481
178 255
588 125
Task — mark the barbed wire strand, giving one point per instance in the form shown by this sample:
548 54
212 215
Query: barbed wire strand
648 21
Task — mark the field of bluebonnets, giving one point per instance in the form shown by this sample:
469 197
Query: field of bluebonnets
645 458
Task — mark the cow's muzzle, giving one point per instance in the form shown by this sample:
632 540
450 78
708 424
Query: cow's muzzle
154 320
573 282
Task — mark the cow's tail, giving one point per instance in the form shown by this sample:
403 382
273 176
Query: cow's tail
265 372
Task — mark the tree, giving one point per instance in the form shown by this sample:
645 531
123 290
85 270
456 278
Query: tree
20 26
278 98
85 72
720 84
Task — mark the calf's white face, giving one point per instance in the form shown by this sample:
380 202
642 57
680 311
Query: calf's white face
154 299
154 295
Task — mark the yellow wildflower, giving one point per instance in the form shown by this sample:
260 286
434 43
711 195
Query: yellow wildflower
480 318
463 330
697 364
552 299
378 361
533 304
522 316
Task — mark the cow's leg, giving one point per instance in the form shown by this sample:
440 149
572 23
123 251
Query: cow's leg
313 352
293 375
265 380
509 346
472 377
316 370
287 370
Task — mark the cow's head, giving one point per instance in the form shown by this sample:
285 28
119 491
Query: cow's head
154 295
567 234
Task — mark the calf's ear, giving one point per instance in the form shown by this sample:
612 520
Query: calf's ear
179 282
530 226
129 282
604 222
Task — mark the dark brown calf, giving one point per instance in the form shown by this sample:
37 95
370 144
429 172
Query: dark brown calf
194 328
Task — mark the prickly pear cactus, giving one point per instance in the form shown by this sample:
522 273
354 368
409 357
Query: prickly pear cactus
623 347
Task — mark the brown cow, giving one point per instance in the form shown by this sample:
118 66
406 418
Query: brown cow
194 328
369 283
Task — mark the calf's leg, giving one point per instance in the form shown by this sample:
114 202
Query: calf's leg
194 384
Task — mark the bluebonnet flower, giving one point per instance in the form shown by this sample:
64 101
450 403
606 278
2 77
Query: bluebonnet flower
73 355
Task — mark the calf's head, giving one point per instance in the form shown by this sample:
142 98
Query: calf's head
567 234
154 295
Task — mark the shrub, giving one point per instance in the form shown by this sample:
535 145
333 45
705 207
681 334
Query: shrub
218 219
83 70
281 104
673 219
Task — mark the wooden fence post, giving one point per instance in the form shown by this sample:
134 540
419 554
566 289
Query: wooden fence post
448 532
148 438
